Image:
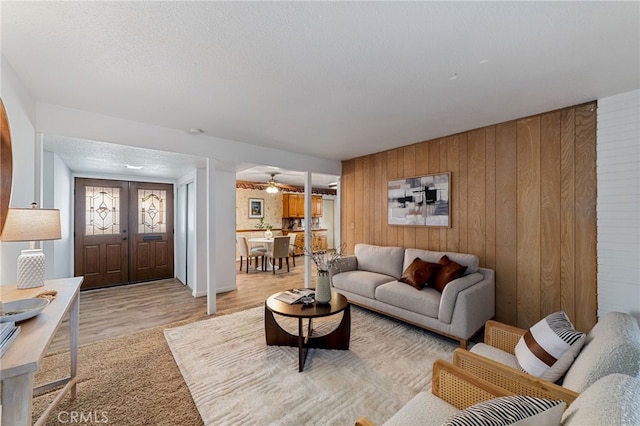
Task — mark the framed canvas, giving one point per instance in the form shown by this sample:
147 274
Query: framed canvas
420 201
256 208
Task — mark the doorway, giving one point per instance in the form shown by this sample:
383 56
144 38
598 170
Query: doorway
123 232
327 221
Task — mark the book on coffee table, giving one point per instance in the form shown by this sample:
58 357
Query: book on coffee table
295 295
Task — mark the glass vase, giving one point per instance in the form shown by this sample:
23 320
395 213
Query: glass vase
323 287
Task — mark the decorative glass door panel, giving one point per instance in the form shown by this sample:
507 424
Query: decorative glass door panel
152 214
102 215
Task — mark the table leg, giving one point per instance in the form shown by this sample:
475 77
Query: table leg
74 325
337 339
17 403
275 334
300 346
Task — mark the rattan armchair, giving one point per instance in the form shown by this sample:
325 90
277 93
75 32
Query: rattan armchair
515 381
502 336
505 337
457 387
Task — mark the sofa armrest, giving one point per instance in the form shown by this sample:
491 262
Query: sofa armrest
457 387
364 421
461 388
510 379
468 309
452 290
502 336
344 264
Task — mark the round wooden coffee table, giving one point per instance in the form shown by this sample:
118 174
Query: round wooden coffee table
337 339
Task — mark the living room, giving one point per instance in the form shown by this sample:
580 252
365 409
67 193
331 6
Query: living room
550 221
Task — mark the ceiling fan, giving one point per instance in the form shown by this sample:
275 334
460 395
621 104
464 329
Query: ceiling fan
272 185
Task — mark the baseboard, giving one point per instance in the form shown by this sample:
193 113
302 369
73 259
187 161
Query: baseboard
225 289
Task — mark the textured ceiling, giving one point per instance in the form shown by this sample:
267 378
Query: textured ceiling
330 79
83 156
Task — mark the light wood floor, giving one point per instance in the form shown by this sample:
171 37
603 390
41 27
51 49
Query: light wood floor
116 311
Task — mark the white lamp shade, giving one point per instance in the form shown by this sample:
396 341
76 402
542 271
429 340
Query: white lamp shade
32 225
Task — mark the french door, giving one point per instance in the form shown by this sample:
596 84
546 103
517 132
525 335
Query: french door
123 232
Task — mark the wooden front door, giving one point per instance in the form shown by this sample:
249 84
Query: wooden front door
152 231
123 232
101 225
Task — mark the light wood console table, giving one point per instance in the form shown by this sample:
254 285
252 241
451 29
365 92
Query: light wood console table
22 359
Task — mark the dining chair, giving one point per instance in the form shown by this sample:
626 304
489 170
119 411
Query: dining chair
243 249
292 247
279 250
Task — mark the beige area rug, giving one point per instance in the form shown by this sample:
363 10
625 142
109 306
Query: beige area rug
128 380
235 378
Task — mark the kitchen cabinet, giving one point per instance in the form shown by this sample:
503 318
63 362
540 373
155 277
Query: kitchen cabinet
293 205
316 206
318 240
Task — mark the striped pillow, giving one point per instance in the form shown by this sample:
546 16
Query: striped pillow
510 410
549 347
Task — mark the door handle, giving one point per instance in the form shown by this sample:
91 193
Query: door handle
124 239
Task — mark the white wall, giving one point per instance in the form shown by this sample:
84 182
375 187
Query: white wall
201 272
618 205
21 112
57 194
225 230
181 233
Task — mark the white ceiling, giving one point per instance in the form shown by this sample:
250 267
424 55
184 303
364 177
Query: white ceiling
330 79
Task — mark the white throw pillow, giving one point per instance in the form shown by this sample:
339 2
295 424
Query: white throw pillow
510 410
549 347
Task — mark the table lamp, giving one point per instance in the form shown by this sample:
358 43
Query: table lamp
31 225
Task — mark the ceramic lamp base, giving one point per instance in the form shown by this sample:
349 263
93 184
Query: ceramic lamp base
31 269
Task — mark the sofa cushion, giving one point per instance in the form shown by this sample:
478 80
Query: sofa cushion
495 354
510 410
383 260
612 346
419 272
612 400
423 409
424 302
449 271
549 347
363 283
471 261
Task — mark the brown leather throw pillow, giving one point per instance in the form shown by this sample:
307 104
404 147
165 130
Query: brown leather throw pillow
449 271
419 273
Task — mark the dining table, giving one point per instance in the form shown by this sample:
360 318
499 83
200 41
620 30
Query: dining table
267 242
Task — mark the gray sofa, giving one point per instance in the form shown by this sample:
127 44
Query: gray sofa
370 279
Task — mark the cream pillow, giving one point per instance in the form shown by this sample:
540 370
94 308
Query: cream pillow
549 347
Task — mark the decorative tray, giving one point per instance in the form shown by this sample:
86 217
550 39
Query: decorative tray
20 310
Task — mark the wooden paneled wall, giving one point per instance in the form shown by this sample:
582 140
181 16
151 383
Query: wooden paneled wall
523 199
